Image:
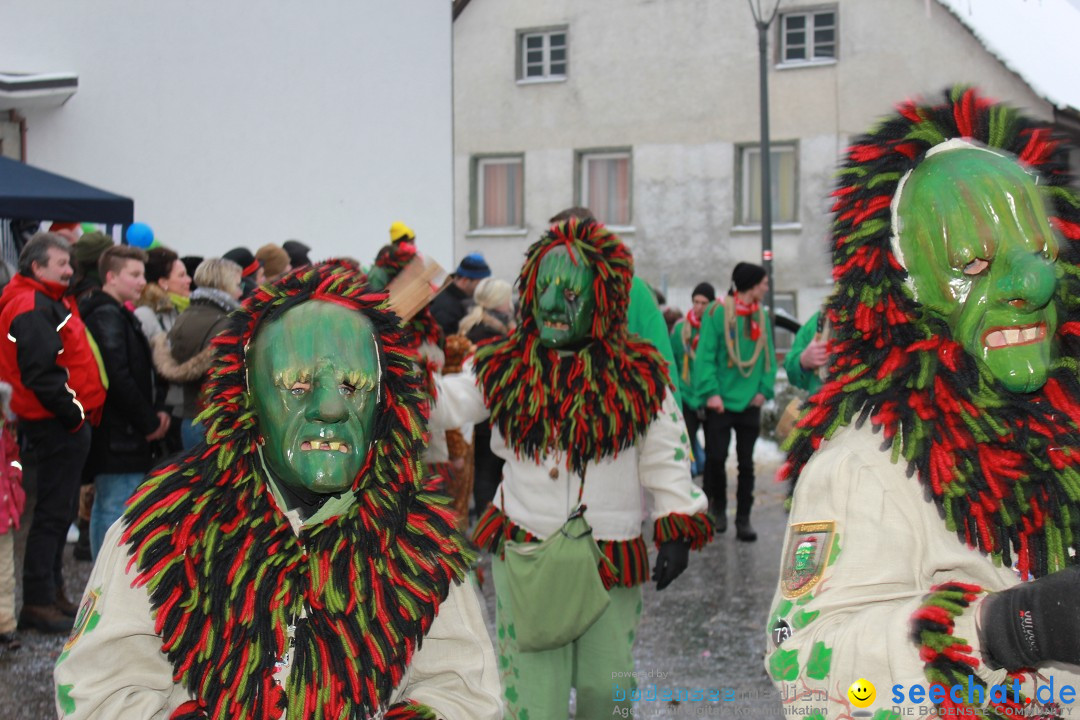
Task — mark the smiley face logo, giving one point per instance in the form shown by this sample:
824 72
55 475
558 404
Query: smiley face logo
862 693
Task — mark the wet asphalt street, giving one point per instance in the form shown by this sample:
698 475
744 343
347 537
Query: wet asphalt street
705 631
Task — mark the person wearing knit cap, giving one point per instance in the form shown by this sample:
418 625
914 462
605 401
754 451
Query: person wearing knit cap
252 269
400 232
684 341
85 252
275 261
298 253
733 375
451 305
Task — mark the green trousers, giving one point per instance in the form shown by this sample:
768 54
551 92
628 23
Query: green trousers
598 664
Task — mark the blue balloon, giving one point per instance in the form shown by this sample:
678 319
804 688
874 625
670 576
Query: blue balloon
140 235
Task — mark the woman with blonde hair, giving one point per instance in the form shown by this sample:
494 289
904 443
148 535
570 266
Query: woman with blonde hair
184 354
492 315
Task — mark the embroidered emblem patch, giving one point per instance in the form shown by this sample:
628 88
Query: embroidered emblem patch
806 554
87 618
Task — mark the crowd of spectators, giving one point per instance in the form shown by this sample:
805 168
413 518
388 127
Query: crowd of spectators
106 346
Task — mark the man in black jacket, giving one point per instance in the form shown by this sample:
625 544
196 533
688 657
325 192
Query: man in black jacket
450 305
120 454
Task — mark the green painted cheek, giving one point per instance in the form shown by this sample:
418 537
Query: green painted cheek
314 378
977 242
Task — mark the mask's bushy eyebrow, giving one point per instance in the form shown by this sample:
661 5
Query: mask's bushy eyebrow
290 376
360 379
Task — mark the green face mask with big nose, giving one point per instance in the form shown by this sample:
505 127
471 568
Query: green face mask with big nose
976 239
314 376
565 301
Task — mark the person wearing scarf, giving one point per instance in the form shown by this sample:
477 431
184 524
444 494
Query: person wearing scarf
296 562
580 412
684 341
937 466
734 374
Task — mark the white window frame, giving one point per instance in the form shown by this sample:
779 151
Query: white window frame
545 34
584 156
478 184
812 24
744 183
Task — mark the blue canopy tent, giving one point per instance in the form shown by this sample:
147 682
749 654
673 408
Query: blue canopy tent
29 193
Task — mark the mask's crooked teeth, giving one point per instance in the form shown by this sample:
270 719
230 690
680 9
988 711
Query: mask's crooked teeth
1019 335
334 445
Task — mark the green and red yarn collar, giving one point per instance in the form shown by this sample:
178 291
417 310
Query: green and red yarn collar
590 404
949 660
1002 467
227 576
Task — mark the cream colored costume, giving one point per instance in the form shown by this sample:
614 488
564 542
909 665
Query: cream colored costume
540 496
113 666
851 619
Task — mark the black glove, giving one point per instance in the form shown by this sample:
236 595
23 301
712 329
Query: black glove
670 562
1033 623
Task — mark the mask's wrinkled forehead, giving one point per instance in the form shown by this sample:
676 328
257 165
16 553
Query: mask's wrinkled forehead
954 206
565 265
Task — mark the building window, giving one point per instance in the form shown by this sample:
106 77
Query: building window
605 185
499 192
808 37
783 178
542 54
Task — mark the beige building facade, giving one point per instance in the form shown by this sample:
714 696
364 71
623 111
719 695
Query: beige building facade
648 113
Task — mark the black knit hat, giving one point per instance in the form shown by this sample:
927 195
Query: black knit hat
706 290
245 259
298 253
746 276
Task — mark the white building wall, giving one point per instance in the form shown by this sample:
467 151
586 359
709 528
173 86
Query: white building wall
242 123
677 82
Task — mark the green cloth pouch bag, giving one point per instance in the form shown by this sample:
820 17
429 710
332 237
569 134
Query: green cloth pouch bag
556 593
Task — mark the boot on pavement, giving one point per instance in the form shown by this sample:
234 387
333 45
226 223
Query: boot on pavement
45 618
744 530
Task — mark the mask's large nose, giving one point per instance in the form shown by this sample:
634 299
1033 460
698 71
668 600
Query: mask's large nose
327 404
1025 280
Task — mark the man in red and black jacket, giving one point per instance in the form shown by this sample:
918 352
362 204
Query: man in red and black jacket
47 356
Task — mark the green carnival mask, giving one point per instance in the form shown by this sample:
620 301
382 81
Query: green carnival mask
977 242
565 299
314 377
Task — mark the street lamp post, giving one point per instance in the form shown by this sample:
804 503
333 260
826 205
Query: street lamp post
763 23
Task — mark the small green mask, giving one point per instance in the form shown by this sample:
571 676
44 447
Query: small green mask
314 377
565 300
977 242
804 555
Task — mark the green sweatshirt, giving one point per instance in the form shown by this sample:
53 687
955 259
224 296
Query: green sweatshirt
684 367
644 318
799 376
713 376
